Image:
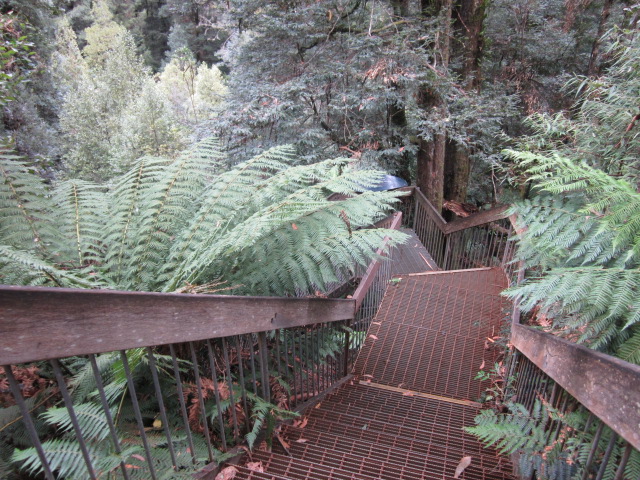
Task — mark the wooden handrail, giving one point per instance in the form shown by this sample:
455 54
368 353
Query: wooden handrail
39 323
477 219
480 218
433 213
607 386
374 266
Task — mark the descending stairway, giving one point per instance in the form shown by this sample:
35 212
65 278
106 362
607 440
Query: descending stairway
401 415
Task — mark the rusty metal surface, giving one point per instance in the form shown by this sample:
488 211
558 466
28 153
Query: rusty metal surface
412 257
429 337
430 334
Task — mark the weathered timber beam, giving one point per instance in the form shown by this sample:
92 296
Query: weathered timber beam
480 218
38 323
607 386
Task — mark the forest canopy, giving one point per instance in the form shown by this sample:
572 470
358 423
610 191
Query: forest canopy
192 146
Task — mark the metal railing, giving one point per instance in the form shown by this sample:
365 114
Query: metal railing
594 427
579 444
567 378
150 385
481 240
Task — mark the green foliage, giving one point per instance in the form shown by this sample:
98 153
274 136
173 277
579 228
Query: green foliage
260 227
263 412
516 430
553 444
112 112
583 231
583 224
17 57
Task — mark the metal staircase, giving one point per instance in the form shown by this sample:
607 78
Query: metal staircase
402 413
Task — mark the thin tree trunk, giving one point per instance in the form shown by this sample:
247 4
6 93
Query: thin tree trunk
469 18
595 49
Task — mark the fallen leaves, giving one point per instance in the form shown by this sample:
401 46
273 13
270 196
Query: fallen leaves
255 467
302 440
301 423
283 443
464 463
227 473
373 336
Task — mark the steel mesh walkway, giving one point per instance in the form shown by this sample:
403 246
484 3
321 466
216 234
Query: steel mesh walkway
433 331
402 414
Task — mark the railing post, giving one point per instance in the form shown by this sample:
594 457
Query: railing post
447 251
345 355
264 366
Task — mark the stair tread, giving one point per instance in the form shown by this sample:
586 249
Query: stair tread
382 466
394 449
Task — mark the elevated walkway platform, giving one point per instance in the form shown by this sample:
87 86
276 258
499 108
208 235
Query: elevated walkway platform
402 414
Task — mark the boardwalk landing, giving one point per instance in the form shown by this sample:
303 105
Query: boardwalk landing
402 414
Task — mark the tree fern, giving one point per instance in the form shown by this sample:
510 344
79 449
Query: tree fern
583 236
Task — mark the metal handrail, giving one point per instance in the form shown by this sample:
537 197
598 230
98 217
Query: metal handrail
553 368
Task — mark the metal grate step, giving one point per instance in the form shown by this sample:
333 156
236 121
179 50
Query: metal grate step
387 464
394 450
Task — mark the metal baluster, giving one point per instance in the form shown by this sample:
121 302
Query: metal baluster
183 406
137 413
607 455
107 413
196 372
252 363
592 452
291 380
307 364
163 413
242 384
294 369
225 354
72 416
278 355
623 462
216 393
264 365
28 421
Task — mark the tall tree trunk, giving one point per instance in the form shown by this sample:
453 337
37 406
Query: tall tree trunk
467 44
457 170
469 18
595 49
431 153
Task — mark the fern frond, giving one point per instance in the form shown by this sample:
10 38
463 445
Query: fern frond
81 218
23 268
91 418
63 456
25 222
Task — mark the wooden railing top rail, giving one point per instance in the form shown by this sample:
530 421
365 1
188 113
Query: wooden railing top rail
39 323
487 216
480 218
374 266
607 386
433 213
